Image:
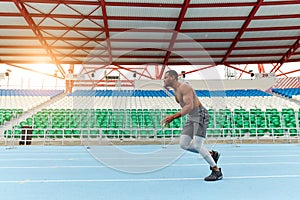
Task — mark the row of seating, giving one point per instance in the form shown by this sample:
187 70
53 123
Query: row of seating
162 93
111 93
232 93
8 114
287 92
30 92
22 102
122 102
224 122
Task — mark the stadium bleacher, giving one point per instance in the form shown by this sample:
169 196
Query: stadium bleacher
133 114
287 92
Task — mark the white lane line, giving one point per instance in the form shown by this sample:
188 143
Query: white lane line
116 157
133 165
141 180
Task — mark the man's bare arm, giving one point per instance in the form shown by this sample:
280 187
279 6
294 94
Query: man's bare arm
188 101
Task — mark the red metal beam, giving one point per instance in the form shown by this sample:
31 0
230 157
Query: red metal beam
141 74
174 35
236 68
267 61
150 40
163 5
290 72
242 30
74 28
87 48
80 56
261 68
199 69
243 71
38 34
288 54
136 18
106 30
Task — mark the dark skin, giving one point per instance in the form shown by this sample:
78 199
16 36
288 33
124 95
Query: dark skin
186 97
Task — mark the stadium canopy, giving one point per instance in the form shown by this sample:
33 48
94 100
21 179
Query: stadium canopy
119 34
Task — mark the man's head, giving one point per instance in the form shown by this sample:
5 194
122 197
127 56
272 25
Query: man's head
170 78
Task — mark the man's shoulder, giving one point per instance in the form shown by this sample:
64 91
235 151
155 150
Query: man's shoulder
185 86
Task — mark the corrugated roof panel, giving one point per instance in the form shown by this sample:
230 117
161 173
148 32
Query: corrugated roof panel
139 53
57 43
148 1
13 21
50 22
63 51
259 51
79 52
220 1
218 12
274 23
97 12
85 10
255 59
202 44
265 43
23 51
93 44
212 35
40 7
142 11
295 57
19 42
87 0
89 60
216 52
76 43
17 32
64 9
97 52
141 35
194 61
90 24
139 45
70 22
37 20
92 34
196 53
74 34
51 33
261 34
143 60
8 7
38 59
212 24
141 24
279 10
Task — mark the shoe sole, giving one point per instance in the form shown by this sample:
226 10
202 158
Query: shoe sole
219 178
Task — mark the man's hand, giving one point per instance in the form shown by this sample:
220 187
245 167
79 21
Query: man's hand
167 120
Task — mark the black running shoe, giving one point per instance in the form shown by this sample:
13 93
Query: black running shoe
214 176
215 155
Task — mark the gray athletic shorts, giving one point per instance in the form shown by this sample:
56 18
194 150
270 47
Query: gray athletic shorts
196 123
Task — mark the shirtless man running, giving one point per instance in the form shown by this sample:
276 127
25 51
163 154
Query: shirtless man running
196 125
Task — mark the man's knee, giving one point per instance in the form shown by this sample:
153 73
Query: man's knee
184 145
185 142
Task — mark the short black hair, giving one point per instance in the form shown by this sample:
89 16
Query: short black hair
173 73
